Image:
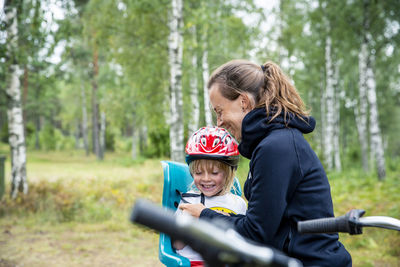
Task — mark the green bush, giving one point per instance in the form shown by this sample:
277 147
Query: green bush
159 143
110 140
47 138
57 203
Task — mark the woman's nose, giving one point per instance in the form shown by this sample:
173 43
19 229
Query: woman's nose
219 122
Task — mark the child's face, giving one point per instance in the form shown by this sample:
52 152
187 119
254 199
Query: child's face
210 181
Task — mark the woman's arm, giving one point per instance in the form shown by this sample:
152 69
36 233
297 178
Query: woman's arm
275 173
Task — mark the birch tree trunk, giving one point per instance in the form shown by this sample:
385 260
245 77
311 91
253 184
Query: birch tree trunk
361 111
14 108
194 88
336 128
84 122
329 106
206 75
175 45
374 129
323 110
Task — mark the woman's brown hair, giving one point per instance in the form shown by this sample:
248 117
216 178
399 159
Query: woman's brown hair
268 85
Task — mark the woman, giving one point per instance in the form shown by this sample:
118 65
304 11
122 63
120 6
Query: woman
286 181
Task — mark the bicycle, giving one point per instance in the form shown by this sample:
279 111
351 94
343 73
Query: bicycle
221 245
217 242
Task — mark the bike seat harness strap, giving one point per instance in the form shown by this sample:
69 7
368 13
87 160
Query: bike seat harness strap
183 195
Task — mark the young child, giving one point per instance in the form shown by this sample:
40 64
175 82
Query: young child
212 155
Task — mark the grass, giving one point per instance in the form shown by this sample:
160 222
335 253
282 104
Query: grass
76 212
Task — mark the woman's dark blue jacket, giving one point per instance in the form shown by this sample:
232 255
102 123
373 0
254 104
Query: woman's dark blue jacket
286 184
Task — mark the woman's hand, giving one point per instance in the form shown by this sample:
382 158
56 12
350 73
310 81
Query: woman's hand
193 209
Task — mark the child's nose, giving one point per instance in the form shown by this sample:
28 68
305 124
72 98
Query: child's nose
207 176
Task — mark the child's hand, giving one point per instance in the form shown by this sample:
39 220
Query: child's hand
193 209
178 244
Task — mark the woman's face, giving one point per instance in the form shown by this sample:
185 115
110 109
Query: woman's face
230 113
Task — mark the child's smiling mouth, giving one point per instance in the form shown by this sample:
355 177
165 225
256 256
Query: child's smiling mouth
207 187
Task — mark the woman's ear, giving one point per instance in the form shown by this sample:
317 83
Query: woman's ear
246 102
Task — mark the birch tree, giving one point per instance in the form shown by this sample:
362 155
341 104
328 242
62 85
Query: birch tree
336 128
194 91
206 75
375 131
368 90
175 41
14 108
330 105
205 72
361 109
331 109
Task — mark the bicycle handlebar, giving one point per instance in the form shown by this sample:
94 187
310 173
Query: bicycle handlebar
351 223
217 245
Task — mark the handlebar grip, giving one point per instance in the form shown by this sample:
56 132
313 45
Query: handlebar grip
324 225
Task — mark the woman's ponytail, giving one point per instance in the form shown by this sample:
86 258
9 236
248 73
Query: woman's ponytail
279 94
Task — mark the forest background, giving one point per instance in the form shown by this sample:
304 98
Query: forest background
97 88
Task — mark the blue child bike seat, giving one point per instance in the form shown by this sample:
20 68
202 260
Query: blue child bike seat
177 177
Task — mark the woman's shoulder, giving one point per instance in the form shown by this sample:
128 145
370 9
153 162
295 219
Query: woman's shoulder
278 141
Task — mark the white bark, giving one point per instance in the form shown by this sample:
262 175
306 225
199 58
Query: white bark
194 89
374 129
336 129
175 45
84 121
14 109
361 112
206 75
330 106
323 110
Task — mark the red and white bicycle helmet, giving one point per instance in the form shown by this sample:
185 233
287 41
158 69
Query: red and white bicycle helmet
212 143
